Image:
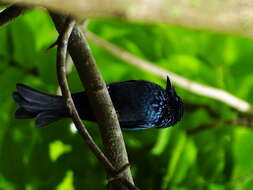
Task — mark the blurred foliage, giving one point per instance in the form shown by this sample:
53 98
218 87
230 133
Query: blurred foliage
55 157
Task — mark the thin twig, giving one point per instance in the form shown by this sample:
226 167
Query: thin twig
202 128
242 120
191 107
69 67
61 74
185 83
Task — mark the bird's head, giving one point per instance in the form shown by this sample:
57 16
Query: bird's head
175 103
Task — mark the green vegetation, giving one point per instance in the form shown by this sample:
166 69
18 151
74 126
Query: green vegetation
219 158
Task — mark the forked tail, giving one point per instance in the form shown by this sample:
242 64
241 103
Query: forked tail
45 108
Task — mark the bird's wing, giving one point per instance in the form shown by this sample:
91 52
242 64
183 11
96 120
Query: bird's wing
134 102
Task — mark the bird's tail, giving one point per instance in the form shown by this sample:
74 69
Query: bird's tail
45 108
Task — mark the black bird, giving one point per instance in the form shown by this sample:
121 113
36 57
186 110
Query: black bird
139 104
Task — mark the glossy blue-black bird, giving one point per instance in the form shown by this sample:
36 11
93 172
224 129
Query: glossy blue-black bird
139 104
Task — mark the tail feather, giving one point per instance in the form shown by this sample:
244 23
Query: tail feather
45 108
17 97
35 96
44 118
21 113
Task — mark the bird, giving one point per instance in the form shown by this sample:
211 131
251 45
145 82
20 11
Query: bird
139 104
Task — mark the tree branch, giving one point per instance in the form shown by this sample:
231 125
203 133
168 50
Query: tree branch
185 83
145 65
99 98
114 175
224 16
242 119
61 74
15 11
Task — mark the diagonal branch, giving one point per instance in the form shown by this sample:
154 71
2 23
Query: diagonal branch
185 83
61 74
99 98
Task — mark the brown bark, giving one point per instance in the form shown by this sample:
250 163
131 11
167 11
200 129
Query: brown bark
100 100
231 16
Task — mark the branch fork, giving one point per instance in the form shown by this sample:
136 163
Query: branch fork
61 57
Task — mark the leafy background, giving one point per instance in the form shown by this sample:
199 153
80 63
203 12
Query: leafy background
54 157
